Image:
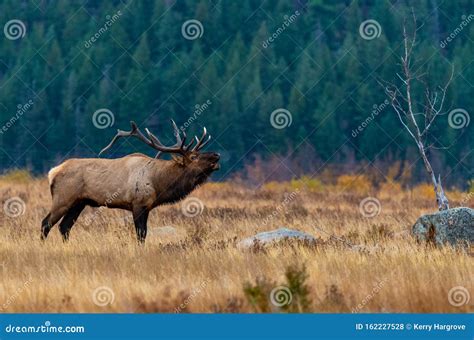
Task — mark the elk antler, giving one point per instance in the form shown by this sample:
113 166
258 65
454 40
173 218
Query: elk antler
200 142
135 132
180 147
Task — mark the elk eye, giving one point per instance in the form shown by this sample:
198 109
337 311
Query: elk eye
193 157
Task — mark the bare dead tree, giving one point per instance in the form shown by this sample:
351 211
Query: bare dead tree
418 124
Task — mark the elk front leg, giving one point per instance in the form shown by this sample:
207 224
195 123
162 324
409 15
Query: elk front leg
140 218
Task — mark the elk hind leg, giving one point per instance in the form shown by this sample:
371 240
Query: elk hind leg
70 218
45 227
51 219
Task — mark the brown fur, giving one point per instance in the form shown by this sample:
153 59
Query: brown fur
136 183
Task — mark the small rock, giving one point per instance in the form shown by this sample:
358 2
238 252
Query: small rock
168 230
452 226
269 237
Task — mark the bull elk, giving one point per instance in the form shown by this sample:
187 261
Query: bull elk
136 182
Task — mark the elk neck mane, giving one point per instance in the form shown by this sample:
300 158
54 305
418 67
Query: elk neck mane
174 181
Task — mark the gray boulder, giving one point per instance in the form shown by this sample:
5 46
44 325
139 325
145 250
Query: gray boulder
275 236
452 226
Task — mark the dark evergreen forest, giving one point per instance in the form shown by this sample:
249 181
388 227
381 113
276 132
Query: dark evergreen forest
72 72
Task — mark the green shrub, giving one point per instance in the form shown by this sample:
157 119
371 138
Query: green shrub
292 296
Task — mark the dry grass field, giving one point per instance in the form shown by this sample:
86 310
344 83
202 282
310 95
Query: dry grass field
360 264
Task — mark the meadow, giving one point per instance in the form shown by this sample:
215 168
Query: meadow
365 259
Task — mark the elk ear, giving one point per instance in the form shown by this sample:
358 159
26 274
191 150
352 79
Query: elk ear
178 159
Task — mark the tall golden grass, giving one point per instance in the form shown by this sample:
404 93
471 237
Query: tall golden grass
361 264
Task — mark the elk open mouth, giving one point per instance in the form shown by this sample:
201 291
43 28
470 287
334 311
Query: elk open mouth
215 166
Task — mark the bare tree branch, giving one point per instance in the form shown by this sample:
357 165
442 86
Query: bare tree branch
433 109
432 106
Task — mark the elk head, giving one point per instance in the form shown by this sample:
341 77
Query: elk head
196 165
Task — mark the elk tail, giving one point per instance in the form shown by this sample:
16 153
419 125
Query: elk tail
52 175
